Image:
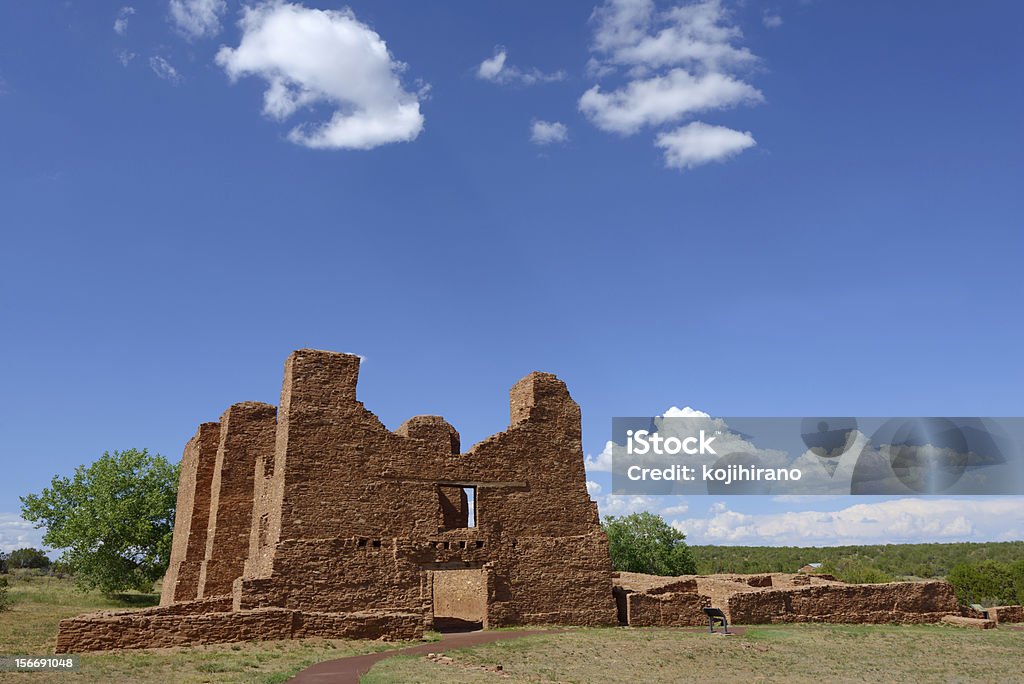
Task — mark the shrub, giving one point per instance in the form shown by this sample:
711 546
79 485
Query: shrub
855 570
988 582
5 599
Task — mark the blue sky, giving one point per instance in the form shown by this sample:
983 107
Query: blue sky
787 208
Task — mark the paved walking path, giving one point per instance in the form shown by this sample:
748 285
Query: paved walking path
348 670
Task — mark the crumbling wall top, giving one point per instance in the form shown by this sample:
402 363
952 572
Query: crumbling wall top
320 379
541 397
433 429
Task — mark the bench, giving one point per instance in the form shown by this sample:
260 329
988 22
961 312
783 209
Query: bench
716 615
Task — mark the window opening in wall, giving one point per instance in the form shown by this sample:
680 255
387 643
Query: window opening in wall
456 507
470 506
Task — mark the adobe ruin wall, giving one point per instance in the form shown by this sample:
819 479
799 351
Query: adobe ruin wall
313 519
646 600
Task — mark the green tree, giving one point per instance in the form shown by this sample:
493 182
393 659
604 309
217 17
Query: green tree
27 558
987 582
113 519
644 542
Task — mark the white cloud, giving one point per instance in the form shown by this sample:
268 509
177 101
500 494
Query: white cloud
771 20
125 57
685 412
310 56
663 99
197 18
678 509
602 463
905 520
497 70
121 23
162 68
698 143
622 504
16 533
548 132
593 488
678 62
697 36
492 66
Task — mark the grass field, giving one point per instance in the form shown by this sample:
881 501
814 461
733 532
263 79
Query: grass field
791 653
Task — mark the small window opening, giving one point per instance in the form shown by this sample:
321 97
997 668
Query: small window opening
470 506
456 507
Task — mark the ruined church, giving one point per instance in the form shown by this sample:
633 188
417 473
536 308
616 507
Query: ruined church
314 519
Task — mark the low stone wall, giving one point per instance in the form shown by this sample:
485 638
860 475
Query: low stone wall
163 627
679 609
647 600
894 602
684 586
1006 614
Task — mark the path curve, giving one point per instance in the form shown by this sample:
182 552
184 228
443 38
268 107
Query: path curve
348 670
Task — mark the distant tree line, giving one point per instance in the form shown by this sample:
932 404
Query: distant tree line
897 561
27 558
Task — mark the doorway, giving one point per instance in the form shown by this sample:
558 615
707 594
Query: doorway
459 599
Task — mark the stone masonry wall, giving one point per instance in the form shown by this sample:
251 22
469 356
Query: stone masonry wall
666 610
895 602
646 600
192 514
150 629
1007 614
246 437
